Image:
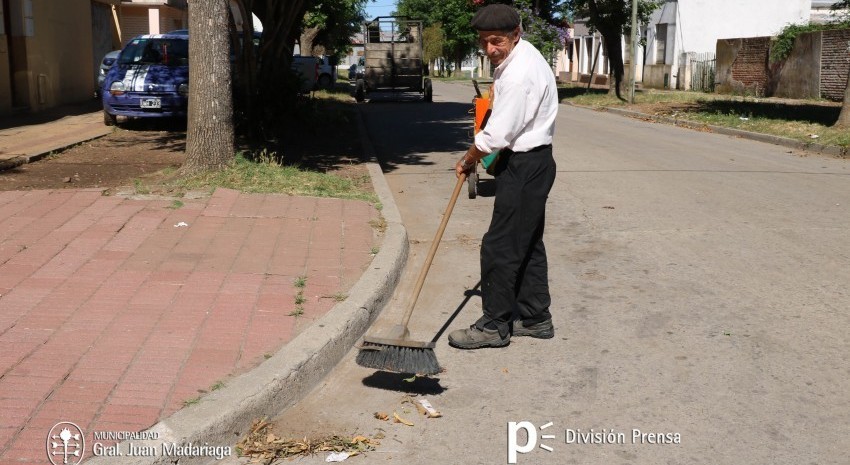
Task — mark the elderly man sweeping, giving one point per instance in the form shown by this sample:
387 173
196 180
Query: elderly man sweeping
514 270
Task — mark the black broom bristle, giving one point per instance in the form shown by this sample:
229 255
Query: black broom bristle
398 359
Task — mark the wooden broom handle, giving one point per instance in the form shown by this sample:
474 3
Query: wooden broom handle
434 245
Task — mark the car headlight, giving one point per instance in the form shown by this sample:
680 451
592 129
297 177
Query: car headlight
183 89
117 88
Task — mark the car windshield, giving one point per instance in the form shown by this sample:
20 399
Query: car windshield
169 52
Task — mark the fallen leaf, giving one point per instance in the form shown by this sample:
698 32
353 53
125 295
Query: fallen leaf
382 416
505 370
401 420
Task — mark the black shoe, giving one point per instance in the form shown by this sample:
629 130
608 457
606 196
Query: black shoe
542 330
474 338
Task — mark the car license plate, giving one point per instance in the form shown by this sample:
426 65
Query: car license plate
151 103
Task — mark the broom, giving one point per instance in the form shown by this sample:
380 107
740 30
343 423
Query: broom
394 351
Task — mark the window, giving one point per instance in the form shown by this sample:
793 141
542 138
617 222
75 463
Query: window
660 43
169 52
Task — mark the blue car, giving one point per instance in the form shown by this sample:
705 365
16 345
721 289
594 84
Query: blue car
150 79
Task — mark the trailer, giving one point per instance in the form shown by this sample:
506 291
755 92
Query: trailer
393 58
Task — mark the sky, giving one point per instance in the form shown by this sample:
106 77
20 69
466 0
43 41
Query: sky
375 8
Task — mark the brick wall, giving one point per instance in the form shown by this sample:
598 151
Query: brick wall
835 63
750 65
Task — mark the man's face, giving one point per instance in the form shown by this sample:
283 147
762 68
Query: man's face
498 44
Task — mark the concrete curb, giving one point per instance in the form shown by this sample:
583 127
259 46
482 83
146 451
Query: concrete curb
832 150
221 418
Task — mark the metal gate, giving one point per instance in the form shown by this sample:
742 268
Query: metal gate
703 67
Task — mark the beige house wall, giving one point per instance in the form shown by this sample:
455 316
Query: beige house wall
136 18
47 57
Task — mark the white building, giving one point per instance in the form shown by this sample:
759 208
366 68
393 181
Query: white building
684 30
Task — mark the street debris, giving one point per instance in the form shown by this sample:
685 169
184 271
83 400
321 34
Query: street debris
261 445
337 456
181 224
813 136
382 416
401 420
427 409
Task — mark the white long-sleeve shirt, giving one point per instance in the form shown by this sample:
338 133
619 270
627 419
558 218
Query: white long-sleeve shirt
525 103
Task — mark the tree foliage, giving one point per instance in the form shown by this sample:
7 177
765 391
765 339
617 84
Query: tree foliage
612 18
334 23
783 43
547 35
543 22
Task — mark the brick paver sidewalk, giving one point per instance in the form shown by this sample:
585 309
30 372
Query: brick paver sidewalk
112 317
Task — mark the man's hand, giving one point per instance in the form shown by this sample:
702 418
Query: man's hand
463 166
467 162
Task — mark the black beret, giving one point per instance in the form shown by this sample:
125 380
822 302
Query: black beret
496 17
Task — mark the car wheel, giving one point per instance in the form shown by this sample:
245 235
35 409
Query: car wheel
324 82
429 91
360 90
109 120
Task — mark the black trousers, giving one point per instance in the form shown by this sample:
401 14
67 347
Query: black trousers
514 271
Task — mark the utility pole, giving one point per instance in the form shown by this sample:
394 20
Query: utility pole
633 61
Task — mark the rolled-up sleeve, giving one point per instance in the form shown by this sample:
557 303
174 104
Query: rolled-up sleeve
510 115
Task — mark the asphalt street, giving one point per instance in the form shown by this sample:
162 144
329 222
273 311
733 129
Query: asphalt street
699 287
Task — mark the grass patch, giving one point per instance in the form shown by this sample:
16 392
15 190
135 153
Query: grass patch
175 205
803 120
191 401
269 176
218 385
140 187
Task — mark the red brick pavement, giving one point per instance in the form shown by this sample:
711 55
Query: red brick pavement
111 317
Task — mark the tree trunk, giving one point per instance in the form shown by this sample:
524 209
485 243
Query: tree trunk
306 40
209 133
615 58
844 116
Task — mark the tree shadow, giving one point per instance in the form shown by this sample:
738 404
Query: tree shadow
162 133
405 133
570 92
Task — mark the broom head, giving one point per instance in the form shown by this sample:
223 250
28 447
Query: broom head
398 355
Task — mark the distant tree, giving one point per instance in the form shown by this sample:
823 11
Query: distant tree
454 17
330 24
612 18
433 42
209 134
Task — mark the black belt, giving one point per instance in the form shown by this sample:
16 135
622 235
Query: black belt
535 149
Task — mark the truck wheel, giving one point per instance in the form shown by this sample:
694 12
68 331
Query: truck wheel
429 91
360 90
109 120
